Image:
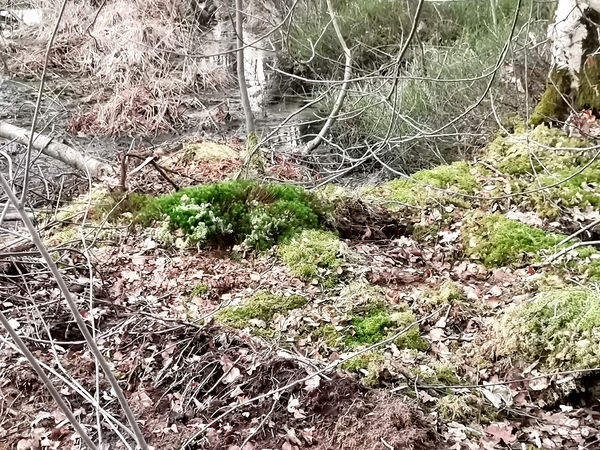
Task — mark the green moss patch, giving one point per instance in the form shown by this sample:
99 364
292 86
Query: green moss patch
459 408
498 241
378 324
458 177
447 293
553 106
200 289
561 327
241 211
313 253
263 306
327 333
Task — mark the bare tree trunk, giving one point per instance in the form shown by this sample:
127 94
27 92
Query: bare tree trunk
239 24
575 76
56 150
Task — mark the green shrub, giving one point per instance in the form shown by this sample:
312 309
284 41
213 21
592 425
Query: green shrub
241 211
262 306
561 327
313 252
499 241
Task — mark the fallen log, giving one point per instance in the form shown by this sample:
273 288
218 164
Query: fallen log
56 150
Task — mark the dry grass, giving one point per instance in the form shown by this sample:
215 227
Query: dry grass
133 50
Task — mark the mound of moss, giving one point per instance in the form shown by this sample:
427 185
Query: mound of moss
313 253
561 327
517 155
263 306
498 241
241 211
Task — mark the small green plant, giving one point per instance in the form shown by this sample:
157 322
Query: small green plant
200 289
262 306
459 408
411 339
329 334
373 327
361 361
312 253
438 374
561 327
371 362
499 241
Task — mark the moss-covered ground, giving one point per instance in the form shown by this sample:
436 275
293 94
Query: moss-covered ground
471 265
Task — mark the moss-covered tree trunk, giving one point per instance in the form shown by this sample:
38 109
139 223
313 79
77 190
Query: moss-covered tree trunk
574 81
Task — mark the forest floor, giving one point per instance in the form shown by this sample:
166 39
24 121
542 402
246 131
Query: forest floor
454 309
475 325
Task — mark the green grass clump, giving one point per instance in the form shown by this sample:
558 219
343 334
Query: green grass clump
313 253
262 306
371 362
136 208
241 211
439 374
459 408
329 334
499 241
362 361
412 338
456 175
373 327
561 327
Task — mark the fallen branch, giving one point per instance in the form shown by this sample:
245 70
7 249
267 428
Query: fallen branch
567 250
56 150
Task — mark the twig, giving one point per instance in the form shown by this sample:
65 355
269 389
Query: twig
567 250
577 233
35 237
38 103
47 382
314 143
158 168
260 425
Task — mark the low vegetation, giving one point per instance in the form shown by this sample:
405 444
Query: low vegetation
314 254
498 241
262 307
233 212
560 327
